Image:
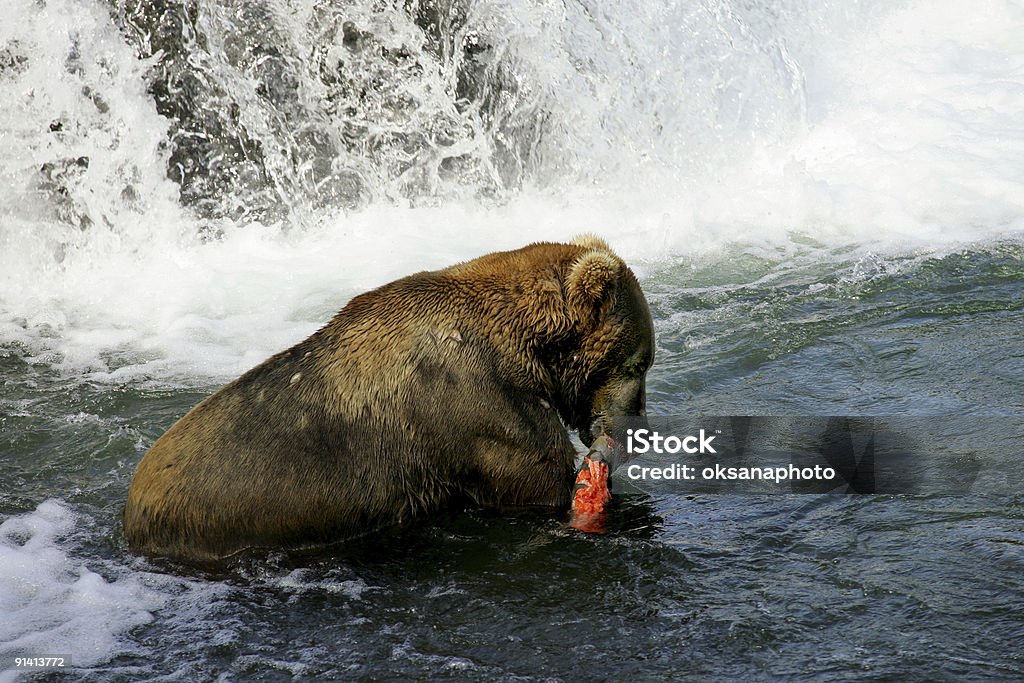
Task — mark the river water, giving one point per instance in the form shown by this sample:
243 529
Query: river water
822 202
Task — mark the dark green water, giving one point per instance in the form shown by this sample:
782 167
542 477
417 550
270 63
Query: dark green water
680 587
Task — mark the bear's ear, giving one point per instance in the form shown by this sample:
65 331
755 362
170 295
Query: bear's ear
589 278
590 241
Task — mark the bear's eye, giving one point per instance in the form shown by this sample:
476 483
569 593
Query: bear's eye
634 369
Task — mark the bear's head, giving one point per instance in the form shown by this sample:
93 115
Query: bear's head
576 323
605 356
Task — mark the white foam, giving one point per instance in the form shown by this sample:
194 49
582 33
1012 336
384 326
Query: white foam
915 134
53 604
893 128
299 581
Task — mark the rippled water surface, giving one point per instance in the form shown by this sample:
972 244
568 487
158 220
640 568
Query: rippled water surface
822 202
682 585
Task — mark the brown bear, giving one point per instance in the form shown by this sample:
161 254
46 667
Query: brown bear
440 389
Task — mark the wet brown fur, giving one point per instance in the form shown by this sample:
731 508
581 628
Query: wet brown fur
442 388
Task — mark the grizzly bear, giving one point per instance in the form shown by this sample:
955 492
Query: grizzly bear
441 389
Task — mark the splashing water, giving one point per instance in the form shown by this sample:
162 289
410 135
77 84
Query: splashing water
192 185
822 200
